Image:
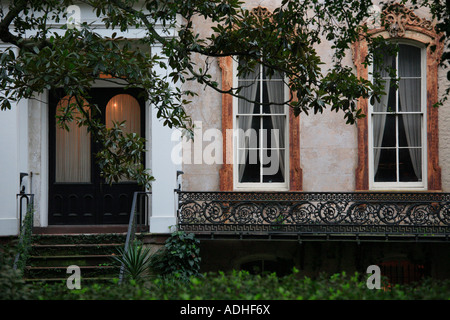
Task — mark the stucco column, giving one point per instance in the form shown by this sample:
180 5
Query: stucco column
163 168
13 161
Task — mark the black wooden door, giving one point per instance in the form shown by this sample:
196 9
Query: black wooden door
82 199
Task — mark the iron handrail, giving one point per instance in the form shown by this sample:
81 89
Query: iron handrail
132 226
28 231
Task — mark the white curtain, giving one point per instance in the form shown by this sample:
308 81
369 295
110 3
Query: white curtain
409 95
249 91
124 107
275 91
379 120
73 149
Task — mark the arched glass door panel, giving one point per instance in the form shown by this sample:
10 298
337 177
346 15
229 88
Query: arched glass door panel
124 107
73 147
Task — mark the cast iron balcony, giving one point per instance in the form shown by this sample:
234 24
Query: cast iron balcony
306 215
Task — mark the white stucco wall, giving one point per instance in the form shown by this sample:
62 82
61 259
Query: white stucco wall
13 161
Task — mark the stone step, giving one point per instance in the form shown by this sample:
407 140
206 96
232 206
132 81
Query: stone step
60 272
67 260
64 280
80 249
76 239
51 254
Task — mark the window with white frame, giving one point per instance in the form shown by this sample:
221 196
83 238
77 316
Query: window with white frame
261 145
398 123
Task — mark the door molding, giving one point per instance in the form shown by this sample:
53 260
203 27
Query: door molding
48 151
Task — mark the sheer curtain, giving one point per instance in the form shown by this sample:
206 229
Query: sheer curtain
379 120
249 90
409 96
275 90
73 149
124 107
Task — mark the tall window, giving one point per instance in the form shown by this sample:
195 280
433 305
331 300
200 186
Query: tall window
261 149
398 130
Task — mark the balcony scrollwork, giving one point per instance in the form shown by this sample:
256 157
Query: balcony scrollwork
325 213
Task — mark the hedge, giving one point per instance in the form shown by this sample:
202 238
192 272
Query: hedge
238 285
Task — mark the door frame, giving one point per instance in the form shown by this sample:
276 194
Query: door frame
45 144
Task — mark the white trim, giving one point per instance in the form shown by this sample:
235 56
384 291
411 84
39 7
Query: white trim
44 174
405 186
163 167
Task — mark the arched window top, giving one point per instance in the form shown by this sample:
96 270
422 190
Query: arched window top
402 24
124 107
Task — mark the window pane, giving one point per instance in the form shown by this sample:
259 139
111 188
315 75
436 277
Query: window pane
383 130
409 61
272 74
387 61
249 165
410 164
410 130
73 148
273 134
273 165
252 75
250 91
388 101
124 107
273 93
386 171
409 94
249 131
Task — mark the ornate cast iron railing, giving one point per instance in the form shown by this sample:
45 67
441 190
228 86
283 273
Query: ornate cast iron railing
320 213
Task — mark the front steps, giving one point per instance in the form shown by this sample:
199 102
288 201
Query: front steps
52 254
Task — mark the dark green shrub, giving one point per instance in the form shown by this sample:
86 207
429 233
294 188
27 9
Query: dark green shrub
24 242
240 285
12 285
180 256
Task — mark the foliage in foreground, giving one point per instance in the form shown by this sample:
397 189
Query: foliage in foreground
180 256
240 285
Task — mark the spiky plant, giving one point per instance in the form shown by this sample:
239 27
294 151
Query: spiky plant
135 261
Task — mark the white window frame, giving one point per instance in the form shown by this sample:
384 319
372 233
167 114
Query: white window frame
257 186
412 186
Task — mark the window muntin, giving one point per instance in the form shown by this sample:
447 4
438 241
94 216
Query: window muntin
398 123
261 148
